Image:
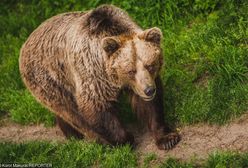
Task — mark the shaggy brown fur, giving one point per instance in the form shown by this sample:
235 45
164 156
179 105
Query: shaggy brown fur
77 63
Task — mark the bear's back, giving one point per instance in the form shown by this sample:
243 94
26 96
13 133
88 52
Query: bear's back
49 36
43 54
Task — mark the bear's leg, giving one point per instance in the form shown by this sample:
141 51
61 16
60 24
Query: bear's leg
152 113
67 129
108 126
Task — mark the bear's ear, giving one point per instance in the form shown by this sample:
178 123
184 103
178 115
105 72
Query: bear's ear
110 45
153 35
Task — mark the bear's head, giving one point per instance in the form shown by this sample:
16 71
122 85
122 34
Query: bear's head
135 60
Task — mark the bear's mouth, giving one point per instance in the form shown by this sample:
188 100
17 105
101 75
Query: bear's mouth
148 98
144 97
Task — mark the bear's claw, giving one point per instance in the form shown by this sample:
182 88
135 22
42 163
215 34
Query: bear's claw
168 141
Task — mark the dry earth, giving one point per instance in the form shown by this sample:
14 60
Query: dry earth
197 141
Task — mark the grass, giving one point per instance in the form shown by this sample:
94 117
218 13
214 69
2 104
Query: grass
70 154
79 154
205 75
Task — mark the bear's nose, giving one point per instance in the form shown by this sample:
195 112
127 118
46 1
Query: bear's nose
150 90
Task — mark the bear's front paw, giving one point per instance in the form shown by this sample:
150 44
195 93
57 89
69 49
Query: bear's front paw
168 141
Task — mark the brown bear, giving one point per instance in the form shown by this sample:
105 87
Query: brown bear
77 64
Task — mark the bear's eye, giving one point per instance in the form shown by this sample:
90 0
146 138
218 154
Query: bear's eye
151 68
132 73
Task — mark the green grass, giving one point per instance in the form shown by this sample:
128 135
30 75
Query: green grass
70 154
81 154
205 75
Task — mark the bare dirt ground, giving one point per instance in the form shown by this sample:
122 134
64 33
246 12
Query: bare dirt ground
197 140
19 133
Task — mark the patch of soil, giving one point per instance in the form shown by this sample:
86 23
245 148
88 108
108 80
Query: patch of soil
197 141
19 133
200 140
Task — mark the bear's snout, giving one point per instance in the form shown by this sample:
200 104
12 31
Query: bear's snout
150 91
